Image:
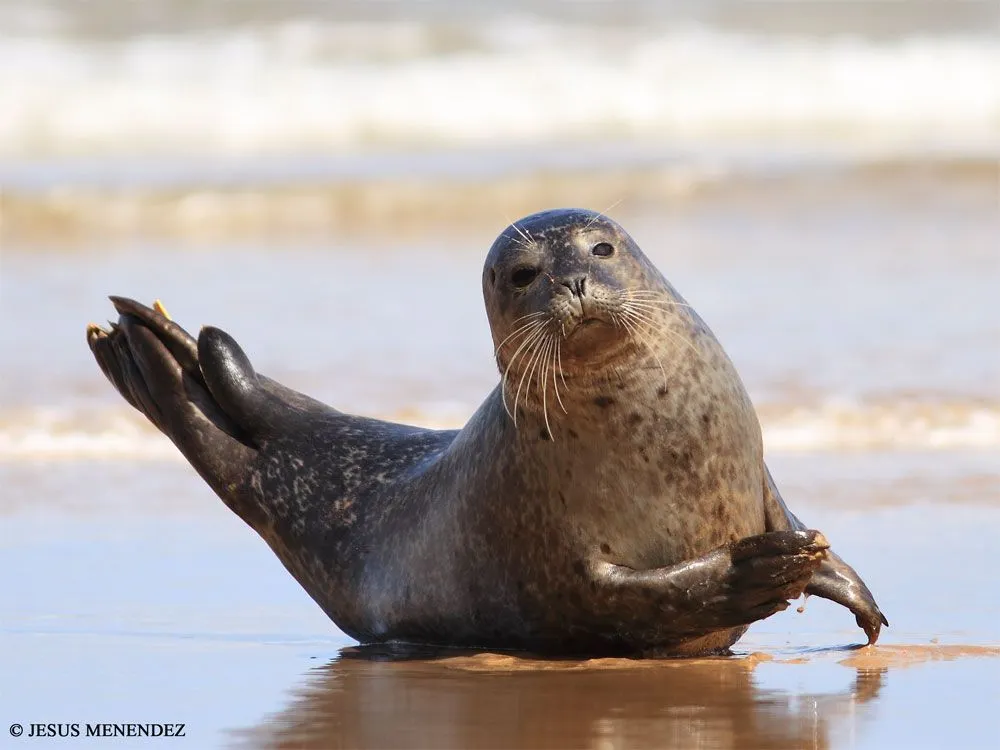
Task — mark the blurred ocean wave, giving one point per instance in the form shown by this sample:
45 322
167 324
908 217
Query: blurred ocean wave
418 193
215 119
302 198
301 86
837 425
842 153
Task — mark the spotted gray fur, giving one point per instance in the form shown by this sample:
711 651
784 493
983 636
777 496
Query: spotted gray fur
637 517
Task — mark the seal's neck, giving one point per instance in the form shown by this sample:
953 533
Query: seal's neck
587 401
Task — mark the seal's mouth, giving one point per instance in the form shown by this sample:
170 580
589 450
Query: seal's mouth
583 325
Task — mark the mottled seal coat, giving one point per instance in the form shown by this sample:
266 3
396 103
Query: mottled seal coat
609 496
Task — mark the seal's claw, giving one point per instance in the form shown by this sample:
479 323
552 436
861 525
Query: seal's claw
780 563
181 344
805 541
153 363
871 631
871 623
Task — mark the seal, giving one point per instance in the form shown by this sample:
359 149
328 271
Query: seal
609 496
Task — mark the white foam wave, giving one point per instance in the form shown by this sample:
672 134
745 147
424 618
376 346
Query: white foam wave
299 87
846 426
55 435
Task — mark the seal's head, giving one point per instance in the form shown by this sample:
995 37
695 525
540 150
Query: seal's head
569 294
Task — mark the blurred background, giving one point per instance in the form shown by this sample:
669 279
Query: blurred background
323 180
819 178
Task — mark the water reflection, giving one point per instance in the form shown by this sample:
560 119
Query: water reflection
375 698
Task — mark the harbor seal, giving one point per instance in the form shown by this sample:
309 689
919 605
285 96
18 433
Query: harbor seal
609 495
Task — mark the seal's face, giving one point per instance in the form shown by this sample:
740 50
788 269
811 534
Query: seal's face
568 294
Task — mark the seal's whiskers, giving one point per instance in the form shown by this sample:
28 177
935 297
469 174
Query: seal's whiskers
535 349
536 331
527 237
557 367
544 373
600 214
650 313
649 296
655 304
633 325
526 241
523 328
523 350
653 325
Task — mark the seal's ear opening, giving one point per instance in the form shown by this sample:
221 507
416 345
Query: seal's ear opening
493 277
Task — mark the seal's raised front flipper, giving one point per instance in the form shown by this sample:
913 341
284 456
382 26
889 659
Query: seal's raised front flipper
260 406
154 365
732 586
835 579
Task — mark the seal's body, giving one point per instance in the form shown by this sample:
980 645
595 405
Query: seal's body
610 495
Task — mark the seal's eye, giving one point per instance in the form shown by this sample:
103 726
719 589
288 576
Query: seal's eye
603 250
493 276
523 276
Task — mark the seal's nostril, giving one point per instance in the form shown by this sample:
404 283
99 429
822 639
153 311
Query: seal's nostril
577 287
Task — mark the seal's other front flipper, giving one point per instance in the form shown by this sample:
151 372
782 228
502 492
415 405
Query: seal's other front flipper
837 581
834 579
153 363
732 586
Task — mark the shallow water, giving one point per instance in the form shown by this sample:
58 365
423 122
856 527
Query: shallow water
859 309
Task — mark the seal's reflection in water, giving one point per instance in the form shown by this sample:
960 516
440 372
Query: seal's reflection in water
382 698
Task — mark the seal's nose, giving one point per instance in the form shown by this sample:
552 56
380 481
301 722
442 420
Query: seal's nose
577 286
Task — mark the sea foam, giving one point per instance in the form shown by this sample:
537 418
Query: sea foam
51 434
306 88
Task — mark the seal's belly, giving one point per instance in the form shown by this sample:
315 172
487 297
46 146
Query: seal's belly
666 504
647 527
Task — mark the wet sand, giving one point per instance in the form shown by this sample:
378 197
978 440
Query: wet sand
490 701
141 598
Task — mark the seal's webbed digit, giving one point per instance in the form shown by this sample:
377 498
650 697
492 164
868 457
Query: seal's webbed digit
609 496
